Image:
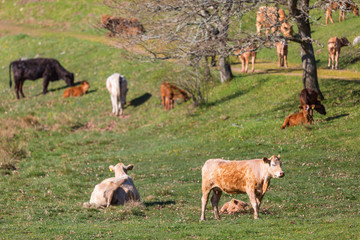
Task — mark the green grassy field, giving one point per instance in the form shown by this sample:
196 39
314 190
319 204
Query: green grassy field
61 148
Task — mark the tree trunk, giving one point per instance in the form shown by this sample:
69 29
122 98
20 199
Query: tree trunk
309 78
225 70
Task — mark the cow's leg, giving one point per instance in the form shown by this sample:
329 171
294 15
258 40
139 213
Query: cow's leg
253 63
254 203
285 61
215 202
121 105
286 122
246 63
330 17
242 60
258 28
337 53
329 64
114 104
279 59
45 85
17 88
204 200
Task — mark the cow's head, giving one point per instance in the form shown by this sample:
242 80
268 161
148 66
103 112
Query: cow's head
286 29
120 169
69 79
344 41
274 169
320 108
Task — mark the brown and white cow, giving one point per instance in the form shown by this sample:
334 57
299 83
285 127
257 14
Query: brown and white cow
310 97
343 6
233 177
305 116
282 51
334 46
274 19
244 58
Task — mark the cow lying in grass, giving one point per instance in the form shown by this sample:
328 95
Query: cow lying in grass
116 84
116 190
77 91
169 93
232 177
334 46
303 117
47 68
234 206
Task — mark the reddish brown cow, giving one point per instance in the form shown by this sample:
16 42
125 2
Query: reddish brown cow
244 59
233 177
343 6
310 97
334 46
282 51
305 116
274 19
121 26
169 93
77 91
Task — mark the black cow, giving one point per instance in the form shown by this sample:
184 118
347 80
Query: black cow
310 97
47 68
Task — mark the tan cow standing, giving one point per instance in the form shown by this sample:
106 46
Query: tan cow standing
244 59
274 19
335 5
334 46
233 177
282 51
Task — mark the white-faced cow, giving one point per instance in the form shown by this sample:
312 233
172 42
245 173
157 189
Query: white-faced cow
47 68
232 177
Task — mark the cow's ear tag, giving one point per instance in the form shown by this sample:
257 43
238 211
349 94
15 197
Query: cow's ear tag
110 169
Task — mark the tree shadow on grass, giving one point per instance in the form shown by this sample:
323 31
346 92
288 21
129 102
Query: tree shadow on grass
140 100
159 203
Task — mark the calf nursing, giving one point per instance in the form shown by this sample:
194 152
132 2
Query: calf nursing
77 91
116 190
305 116
233 177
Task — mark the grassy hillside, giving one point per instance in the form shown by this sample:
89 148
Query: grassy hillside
61 148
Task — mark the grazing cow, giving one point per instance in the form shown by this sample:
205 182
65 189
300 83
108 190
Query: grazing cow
77 91
116 190
334 46
343 6
234 206
274 19
232 177
169 93
47 68
305 116
310 97
122 26
244 58
116 84
282 51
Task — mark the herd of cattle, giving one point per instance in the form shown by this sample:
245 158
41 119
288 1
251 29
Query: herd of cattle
247 176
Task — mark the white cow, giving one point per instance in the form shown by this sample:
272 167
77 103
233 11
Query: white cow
116 84
116 190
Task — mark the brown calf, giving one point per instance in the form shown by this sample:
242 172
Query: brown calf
271 18
244 59
234 206
305 116
310 97
169 93
334 46
282 51
121 26
77 91
343 6
232 177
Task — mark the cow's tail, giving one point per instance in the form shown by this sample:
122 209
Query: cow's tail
10 82
118 88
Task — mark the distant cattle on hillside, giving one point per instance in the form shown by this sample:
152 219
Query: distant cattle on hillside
344 6
334 46
121 26
47 68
